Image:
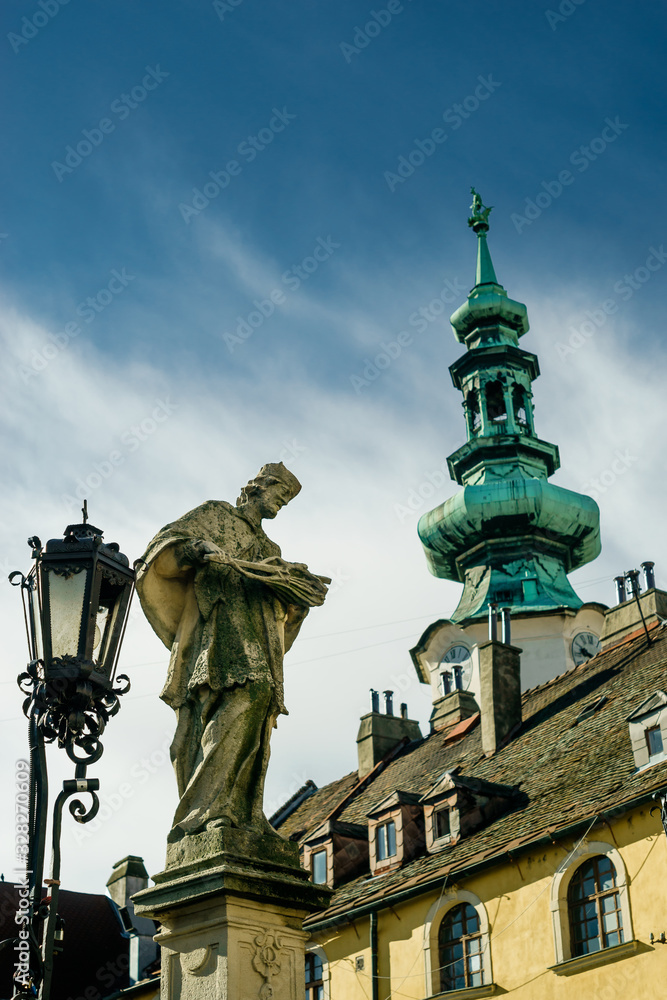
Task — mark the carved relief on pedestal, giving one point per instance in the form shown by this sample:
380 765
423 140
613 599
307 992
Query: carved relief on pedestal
201 961
267 961
190 975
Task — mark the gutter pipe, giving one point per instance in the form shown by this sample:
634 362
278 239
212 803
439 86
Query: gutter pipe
375 980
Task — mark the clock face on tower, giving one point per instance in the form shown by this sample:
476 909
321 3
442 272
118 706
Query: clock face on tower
458 656
585 645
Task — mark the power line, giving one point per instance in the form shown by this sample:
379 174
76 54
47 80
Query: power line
364 628
345 652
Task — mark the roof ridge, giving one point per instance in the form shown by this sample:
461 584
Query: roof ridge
367 778
287 808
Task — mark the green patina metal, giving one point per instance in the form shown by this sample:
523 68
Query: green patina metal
510 536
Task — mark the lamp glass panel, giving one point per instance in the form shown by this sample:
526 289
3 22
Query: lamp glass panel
109 609
36 627
101 623
66 597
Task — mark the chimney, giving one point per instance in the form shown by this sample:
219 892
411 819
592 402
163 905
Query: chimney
493 621
621 596
506 626
455 703
632 576
500 685
378 733
649 575
637 610
129 875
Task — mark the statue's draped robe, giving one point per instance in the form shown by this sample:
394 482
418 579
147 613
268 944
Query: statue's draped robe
227 636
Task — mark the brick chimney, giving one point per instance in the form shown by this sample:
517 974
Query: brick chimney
379 733
500 683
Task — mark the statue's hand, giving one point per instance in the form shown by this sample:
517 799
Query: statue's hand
199 551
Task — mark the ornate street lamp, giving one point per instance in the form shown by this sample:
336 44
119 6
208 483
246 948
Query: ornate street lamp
76 600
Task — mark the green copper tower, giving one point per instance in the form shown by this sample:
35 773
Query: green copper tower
510 536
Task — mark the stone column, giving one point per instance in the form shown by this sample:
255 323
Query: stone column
231 907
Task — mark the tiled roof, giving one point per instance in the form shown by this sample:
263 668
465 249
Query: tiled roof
95 949
318 806
569 771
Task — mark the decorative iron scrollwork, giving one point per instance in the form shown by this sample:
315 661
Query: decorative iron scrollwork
66 571
79 811
71 707
114 578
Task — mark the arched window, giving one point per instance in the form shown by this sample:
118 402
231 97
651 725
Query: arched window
594 906
590 903
472 403
460 949
495 402
314 977
519 404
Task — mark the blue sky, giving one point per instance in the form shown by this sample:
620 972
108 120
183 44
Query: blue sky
150 399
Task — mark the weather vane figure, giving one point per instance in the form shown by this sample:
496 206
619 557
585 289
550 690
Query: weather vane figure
479 220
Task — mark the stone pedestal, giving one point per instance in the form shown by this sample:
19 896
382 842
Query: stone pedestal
231 907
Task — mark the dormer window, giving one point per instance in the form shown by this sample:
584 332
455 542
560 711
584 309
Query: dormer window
335 852
318 867
456 806
385 841
442 823
395 831
648 731
654 741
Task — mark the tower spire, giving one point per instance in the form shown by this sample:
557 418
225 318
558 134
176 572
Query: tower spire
510 536
479 222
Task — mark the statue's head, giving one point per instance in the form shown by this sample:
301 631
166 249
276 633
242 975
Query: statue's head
271 489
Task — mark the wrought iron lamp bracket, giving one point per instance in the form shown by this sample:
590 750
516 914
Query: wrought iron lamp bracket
72 707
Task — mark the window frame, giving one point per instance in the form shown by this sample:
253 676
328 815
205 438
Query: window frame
596 898
314 847
382 838
559 903
432 924
326 978
440 810
471 947
444 800
647 733
314 854
392 814
651 714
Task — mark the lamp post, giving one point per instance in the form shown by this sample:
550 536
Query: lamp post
76 600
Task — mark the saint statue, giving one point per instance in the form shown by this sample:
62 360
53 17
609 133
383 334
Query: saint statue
217 593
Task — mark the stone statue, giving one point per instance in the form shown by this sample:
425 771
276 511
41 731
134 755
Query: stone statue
216 591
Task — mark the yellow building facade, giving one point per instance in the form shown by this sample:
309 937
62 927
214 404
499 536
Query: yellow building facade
547 876
523 905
